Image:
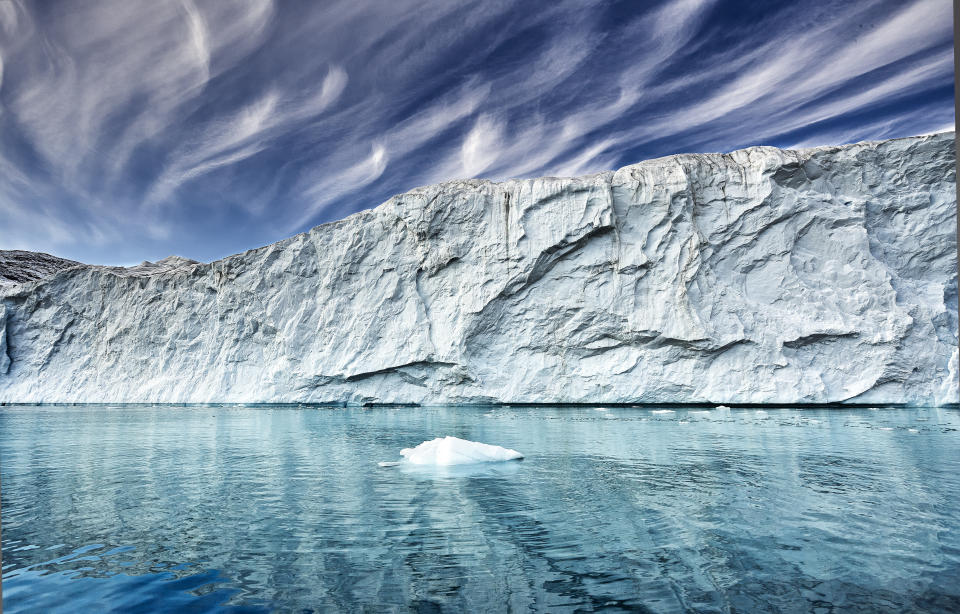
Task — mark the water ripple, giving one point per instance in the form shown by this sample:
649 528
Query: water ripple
232 509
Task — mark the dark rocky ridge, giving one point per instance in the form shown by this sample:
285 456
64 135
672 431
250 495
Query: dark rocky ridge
17 266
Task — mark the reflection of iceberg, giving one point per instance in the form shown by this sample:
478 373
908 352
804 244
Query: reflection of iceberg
473 470
447 451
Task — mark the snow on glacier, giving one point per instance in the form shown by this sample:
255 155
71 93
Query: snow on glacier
757 276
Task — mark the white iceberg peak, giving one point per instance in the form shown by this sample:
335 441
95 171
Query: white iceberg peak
445 451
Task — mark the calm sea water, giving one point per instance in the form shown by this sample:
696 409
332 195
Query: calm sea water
232 509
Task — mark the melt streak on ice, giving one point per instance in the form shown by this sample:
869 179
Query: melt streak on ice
759 276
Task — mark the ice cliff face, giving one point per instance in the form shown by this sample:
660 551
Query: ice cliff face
822 275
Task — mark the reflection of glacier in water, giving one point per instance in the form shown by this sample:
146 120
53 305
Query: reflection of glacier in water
223 508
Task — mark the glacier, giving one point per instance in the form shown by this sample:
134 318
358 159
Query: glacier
822 275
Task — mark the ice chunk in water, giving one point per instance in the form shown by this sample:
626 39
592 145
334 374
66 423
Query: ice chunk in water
455 451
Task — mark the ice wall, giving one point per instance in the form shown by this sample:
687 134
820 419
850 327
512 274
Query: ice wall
821 275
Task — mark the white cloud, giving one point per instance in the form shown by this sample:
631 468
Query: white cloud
482 146
333 85
348 180
198 38
911 29
117 109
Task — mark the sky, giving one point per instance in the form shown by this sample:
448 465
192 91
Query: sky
131 130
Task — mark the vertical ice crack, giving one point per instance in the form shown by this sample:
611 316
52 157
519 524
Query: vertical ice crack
4 356
426 313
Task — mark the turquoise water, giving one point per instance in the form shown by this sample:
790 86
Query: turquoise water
143 509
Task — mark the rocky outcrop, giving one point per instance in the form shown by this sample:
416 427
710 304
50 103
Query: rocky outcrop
759 276
17 266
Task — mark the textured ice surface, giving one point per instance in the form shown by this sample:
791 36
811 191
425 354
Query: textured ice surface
4 359
758 276
445 451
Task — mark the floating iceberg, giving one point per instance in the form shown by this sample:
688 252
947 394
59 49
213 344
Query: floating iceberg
445 451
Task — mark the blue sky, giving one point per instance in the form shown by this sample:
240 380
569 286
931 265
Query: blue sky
132 130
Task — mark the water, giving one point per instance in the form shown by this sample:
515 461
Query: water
143 509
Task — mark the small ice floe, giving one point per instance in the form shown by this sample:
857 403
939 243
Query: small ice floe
886 428
446 451
722 407
662 411
760 413
599 409
913 430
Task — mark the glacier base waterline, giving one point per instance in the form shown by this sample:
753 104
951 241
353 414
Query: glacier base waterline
824 275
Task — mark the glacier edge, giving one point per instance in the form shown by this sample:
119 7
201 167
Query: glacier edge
825 275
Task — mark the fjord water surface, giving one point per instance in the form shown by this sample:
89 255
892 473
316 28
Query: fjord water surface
235 509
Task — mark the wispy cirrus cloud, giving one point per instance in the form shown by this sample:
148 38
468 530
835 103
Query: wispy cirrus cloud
131 129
